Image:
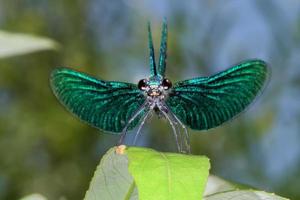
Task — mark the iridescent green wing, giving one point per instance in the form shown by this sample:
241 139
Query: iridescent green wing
206 102
163 49
106 105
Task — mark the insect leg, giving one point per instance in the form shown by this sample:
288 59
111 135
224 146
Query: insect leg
186 134
173 127
140 127
125 129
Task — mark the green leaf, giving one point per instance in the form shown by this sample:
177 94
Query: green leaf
219 189
168 175
13 44
112 180
34 197
157 175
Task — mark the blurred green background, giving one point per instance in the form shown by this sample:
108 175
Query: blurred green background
44 149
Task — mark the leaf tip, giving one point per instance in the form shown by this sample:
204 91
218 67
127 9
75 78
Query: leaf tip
120 150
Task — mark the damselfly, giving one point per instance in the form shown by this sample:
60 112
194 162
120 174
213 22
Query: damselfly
199 103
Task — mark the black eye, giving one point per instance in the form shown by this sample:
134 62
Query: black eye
167 84
142 84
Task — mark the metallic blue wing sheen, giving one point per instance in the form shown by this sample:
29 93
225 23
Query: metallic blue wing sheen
206 102
153 70
107 105
163 49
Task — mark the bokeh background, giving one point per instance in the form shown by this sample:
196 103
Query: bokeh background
44 149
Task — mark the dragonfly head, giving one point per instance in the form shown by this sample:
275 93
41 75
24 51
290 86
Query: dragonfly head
155 86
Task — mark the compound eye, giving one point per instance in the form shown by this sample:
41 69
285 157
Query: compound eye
142 84
167 84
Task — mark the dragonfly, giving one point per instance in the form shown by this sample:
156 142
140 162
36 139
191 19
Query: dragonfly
199 103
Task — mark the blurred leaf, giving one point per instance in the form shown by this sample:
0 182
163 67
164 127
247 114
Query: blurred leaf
13 44
168 175
216 185
244 195
219 189
34 197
